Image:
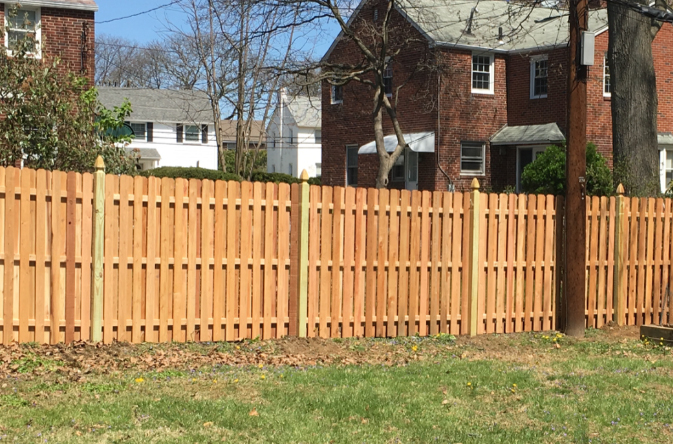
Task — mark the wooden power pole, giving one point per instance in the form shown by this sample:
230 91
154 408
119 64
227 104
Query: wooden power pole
575 213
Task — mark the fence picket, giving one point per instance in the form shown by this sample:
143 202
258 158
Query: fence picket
337 242
404 269
349 263
435 263
370 276
382 244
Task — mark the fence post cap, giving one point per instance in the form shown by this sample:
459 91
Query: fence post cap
100 164
620 189
304 176
475 184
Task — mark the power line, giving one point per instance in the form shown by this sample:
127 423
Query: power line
138 13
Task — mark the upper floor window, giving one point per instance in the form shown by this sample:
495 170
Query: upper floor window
472 158
290 136
607 87
139 130
192 133
483 71
539 77
318 136
337 94
388 79
376 15
22 25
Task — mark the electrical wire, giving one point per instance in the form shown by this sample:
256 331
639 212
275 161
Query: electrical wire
139 13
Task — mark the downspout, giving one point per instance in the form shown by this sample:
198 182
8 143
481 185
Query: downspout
281 95
451 187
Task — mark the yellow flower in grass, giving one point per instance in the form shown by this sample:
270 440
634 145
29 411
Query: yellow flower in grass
414 348
235 381
139 380
469 384
263 377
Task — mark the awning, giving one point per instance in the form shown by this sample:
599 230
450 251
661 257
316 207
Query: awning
665 138
528 135
419 142
145 153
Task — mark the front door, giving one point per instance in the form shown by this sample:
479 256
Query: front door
410 169
525 156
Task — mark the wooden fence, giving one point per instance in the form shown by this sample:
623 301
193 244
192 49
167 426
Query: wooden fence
210 261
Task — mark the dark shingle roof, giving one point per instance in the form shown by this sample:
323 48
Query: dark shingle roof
160 105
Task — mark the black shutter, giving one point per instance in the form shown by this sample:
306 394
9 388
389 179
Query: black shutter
179 132
150 131
204 133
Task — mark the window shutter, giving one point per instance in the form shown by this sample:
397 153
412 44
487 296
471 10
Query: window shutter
204 133
150 131
179 132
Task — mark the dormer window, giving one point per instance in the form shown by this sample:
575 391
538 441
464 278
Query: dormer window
22 25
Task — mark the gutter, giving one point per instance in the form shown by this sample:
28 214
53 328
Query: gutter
55 5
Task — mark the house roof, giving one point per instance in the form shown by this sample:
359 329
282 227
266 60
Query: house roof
160 105
81 5
446 22
419 142
524 28
306 111
145 153
528 135
228 130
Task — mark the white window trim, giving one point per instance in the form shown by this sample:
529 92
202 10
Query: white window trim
491 89
605 66
184 135
38 29
534 60
333 95
483 160
144 139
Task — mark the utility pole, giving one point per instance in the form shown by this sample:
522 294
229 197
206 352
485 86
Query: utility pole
575 214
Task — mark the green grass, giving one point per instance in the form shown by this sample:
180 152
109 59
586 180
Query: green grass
495 389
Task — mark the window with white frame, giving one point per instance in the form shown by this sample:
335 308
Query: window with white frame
318 169
472 156
352 165
139 130
23 24
192 133
539 77
667 172
337 94
483 72
607 87
388 79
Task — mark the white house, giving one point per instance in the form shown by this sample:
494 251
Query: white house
296 144
172 128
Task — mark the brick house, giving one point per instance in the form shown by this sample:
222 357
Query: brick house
499 101
61 28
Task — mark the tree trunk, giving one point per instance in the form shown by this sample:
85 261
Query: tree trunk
634 100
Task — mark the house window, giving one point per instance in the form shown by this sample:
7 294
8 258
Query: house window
388 79
139 131
231 146
22 24
607 87
376 15
318 169
483 70
538 77
318 136
397 173
352 165
472 155
192 133
290 136
337 94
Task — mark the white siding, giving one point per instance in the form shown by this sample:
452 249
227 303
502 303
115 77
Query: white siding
291 158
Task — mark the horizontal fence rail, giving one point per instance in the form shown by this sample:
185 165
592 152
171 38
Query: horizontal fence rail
197 260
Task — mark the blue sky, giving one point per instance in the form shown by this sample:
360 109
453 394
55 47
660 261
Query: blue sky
144 28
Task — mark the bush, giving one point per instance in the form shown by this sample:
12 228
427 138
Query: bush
189 173
546 175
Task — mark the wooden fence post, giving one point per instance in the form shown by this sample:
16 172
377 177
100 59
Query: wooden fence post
97 253
302 245
474 258
619 273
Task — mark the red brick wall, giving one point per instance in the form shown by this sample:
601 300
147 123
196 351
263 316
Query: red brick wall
352 122
62 37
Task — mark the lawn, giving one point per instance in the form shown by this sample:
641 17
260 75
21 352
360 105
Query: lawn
525 388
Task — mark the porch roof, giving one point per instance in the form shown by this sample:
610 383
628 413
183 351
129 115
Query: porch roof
665 138
145 153
419 142
528 135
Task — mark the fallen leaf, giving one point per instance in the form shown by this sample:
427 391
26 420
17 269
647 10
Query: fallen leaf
446 401
253 412
207 424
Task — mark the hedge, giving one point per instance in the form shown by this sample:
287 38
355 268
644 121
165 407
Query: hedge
204 173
